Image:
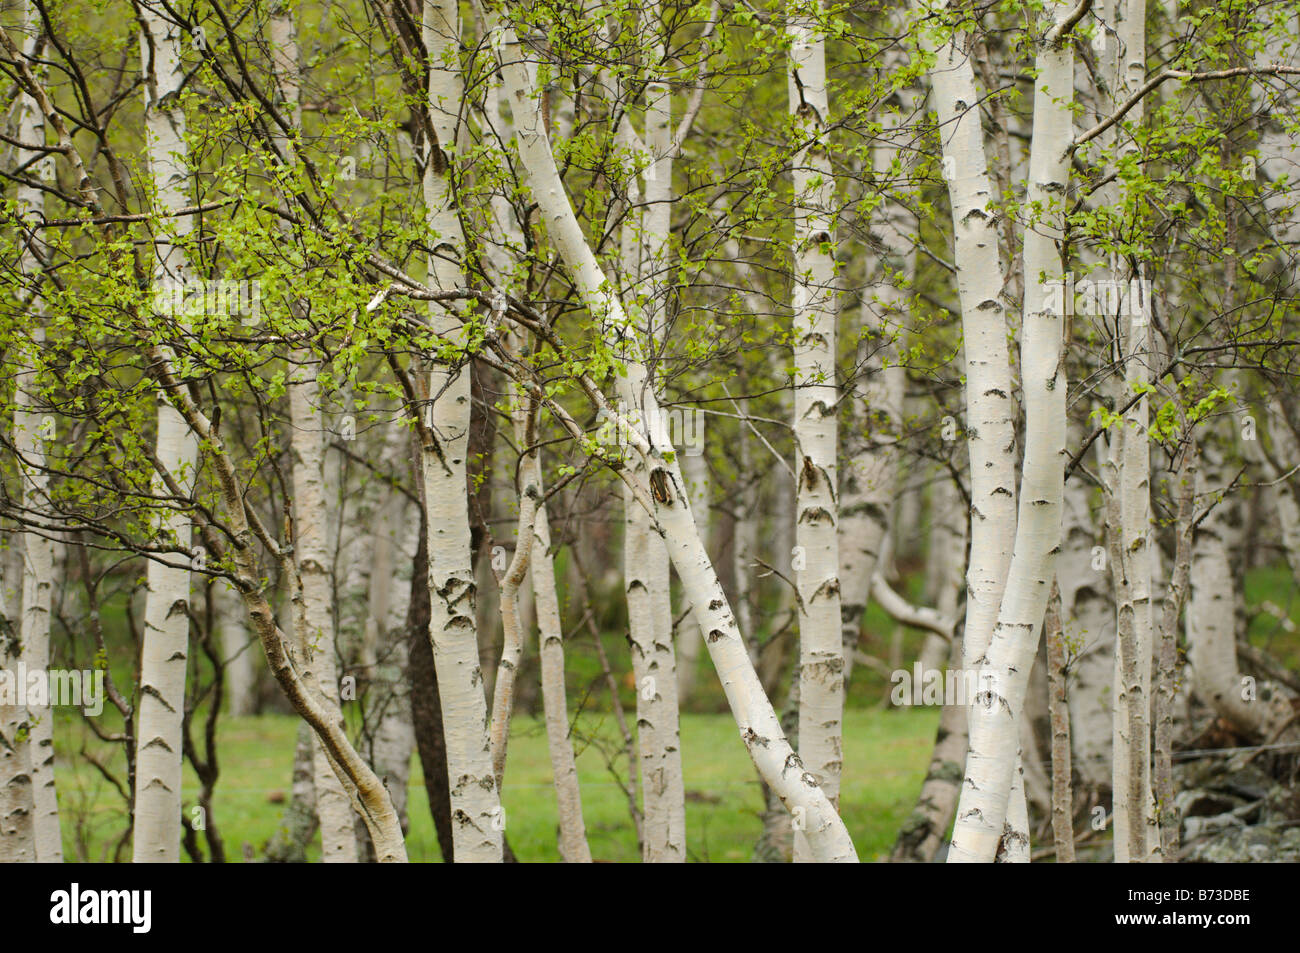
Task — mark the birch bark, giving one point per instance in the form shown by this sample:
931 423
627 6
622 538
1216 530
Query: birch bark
990 433
869 477
689 637
17 828
165 649
477 818
982 812
314 601
314 609
646 563
1129 491
816 402
29 441
758 724
541 568
37 588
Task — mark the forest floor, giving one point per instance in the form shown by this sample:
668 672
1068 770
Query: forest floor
886 754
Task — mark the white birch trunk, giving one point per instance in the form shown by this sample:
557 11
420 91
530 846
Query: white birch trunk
990 432
689 638
165 649
758 723
315 605
477 818
17 827
646 564
314 600
238 652
37 589
991 765
1128 493
38 549
816 403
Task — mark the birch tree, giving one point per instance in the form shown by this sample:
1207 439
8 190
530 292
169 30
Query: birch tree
816 402
165 651
314 595
991 764
760 729
645 560
475 800
31 429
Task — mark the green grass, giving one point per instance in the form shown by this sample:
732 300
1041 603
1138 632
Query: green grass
886 753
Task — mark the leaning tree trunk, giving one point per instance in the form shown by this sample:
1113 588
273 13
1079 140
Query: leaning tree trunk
369 797
758 723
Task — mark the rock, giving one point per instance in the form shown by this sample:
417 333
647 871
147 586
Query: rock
1247 845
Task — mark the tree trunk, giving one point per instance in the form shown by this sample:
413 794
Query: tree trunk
476 805
17 826
991 765
759 726
157 810
1062 776
314 603
30 434
816 404
426 706
646 563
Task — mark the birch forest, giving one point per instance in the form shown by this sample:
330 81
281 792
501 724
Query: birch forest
650 430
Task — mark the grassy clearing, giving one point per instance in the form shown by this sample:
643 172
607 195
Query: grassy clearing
886 753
